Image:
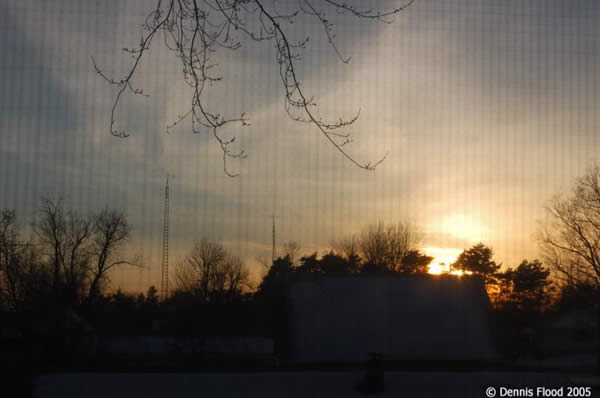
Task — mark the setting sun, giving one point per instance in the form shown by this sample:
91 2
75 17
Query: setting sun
442 258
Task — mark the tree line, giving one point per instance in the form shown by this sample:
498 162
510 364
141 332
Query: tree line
67 260
70 256
66 264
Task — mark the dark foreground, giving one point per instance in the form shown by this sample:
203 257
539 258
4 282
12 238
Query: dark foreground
299 384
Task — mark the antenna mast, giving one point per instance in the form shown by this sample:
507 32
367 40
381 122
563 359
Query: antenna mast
164 287
273 238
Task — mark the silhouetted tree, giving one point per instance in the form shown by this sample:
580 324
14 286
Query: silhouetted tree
195 31
152 296
578 296
379 247
272 300
80 251
520 297
148 302
119 313
329 264
526 288
65 237
415 262
373 268
478 260
374 244
291 249
212 273
124 302
141 300
570 237
346 247
278 275
309 264
10 260
110 232
24 280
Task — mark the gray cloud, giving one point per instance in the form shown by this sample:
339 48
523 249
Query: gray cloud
485 107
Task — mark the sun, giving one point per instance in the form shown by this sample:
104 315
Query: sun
442 258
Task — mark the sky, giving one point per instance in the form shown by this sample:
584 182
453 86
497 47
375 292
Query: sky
486 110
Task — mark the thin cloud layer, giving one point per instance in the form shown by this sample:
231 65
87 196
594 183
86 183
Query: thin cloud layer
485 108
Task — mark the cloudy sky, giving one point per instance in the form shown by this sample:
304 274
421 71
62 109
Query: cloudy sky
486 108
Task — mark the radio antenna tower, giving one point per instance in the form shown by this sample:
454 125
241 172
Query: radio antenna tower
164 287
274 245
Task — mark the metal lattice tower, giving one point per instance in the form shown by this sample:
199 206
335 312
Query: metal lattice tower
273 239
164 287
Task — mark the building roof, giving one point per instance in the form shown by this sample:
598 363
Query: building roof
405 318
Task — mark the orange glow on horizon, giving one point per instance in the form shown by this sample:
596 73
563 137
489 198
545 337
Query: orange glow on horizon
442 259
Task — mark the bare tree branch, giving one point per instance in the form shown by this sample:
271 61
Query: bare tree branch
196 30
570 237
210 272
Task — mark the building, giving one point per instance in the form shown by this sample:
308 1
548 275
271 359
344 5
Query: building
404 318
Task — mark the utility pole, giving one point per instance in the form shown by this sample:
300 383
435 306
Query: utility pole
164 287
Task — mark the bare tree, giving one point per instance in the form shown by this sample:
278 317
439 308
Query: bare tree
51 232
23 277
379 246
402 238
80 250
111 232
210 272
570 236
236 276
9 258
196 30
387 245
291 249
374 244
346 247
